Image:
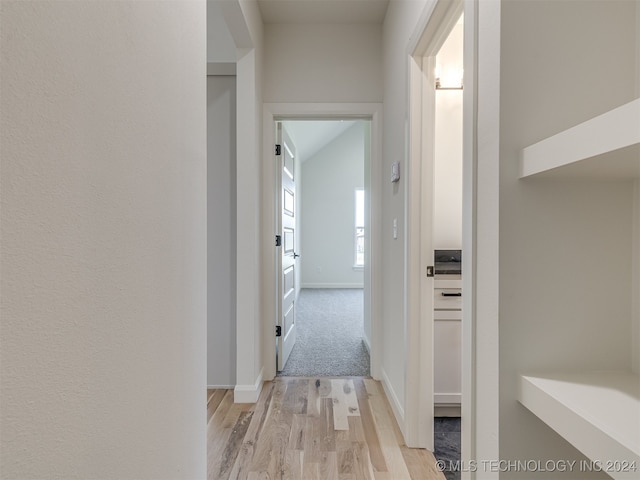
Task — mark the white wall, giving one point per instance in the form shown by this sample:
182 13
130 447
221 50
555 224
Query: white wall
323 63
318 63
635 337
220 45
447 195
297 174
560 229
246 28
400 22
221 231
330 179
103 132
368 300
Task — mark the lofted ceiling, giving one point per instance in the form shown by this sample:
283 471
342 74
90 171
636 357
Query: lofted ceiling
323 11
310 136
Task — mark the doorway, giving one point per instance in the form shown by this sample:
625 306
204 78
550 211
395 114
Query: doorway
323 332
434 336
447 244
350 114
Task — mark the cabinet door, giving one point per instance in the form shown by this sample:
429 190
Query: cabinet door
447 357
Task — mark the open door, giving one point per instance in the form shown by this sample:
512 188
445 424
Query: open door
286 319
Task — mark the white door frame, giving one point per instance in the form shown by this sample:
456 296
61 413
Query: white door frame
420 362
480 227
373 261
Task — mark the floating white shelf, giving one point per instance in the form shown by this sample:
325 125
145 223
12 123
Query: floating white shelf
597 412
605 146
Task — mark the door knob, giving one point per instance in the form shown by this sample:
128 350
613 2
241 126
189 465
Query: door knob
295 255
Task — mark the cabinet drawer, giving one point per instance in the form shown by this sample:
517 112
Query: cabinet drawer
447 298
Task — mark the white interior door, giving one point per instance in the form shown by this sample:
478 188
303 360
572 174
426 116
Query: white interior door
286 320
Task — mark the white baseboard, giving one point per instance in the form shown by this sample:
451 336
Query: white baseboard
447 411
220 387
367 344
332 285
248 393
447 398
396 407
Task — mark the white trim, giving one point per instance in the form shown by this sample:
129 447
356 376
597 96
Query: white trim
481 207
248 393
434 26
329 111
447 411
600 137
419 371
468 416
358 268
447 399
396 407
635 280
332 285
598 412
221 69
220 387
367 345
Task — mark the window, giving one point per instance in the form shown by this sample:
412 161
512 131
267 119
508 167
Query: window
359 237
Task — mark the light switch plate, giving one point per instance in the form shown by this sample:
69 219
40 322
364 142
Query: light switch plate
395 172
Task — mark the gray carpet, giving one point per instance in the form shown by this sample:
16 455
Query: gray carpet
329 337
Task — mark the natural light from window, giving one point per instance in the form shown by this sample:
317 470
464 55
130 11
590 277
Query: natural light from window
359 238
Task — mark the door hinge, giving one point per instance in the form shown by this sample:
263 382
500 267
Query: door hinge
278 149
430 271
278 331
278 240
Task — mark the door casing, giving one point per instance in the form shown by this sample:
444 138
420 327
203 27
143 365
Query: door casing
419 392
273 112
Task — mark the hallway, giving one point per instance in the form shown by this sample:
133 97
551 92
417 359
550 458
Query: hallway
306 428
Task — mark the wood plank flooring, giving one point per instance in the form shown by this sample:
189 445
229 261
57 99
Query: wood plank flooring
311 428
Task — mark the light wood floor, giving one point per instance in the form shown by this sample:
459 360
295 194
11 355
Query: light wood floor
308 428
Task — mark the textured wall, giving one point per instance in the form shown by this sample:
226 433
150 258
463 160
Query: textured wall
103 275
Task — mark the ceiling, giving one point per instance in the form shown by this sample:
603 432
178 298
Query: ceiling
310 136
323 11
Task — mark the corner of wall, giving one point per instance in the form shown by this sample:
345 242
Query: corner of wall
637 49
396 407
635 280
635 283
248 393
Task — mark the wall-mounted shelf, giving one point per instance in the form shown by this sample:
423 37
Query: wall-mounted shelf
605 146
597 412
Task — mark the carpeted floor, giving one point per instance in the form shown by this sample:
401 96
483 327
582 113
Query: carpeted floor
329 337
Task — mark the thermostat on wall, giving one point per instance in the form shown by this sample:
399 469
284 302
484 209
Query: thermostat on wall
395 172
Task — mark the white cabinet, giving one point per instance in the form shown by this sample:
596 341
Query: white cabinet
447 346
